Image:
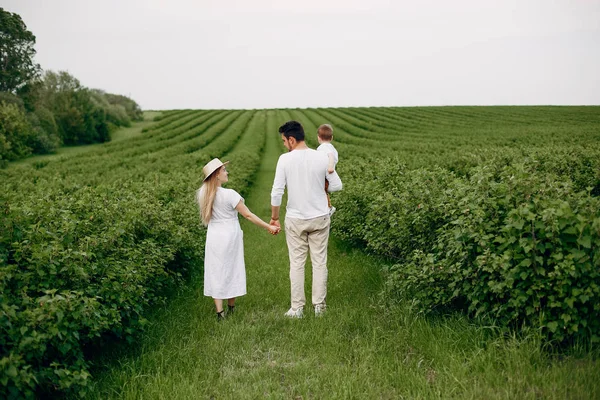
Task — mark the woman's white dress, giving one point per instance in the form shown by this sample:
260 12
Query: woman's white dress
224 268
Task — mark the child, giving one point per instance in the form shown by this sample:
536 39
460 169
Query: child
325 136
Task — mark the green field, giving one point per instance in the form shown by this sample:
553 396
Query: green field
101 244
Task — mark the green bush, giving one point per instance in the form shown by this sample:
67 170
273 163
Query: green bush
15 133
115 114
82 115
89 244
580 164
394 210
43 139
79 263
515 243
130 107
9 98
521 248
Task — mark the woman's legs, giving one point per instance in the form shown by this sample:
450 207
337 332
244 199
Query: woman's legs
219 305
231 305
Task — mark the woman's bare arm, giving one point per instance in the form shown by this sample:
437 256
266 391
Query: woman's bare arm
246 213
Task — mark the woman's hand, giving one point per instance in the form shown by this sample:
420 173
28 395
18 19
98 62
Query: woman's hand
274 229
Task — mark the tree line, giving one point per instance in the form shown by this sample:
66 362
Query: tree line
43 110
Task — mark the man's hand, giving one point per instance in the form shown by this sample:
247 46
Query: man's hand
275 216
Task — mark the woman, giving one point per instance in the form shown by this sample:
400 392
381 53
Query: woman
224 268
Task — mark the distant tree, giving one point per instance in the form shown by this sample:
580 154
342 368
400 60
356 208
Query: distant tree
131 107
16 53
10 98
39 113
30 94
15 133
44 137
61 81
46 120
58 92
79 113
116 114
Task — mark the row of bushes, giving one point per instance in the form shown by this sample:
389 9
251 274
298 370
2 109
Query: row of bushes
76 266
514 241
80 261
440 205
57 110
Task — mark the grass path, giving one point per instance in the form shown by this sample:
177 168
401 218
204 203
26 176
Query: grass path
358 350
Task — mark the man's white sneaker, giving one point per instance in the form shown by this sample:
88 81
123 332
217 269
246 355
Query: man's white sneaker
294 313
331 210
319 310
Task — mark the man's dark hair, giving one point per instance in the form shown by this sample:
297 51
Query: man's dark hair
292 129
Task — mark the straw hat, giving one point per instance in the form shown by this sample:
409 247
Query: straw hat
212 166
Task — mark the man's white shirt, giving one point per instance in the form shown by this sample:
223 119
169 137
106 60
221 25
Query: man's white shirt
303 172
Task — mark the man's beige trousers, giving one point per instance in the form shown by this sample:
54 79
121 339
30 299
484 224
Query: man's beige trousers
304 236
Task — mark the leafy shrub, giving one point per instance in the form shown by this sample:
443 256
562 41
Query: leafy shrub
114 113
15 133
394 210
82 115
131 108
515 243
42 141
112 251
89 244
9 98
580 165
46 121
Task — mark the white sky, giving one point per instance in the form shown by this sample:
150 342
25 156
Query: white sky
168 54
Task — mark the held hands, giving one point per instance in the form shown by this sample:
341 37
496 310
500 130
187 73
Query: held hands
275 226
274 229
330 170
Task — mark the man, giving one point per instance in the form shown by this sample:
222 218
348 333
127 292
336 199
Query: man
303 171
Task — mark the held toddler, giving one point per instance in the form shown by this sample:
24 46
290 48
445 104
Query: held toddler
325 136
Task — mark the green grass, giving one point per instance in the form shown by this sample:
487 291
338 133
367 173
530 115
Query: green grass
361 349
136 128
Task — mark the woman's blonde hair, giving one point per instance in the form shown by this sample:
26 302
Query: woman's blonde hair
205 196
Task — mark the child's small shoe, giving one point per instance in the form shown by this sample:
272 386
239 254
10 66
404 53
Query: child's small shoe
230 309
220 316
